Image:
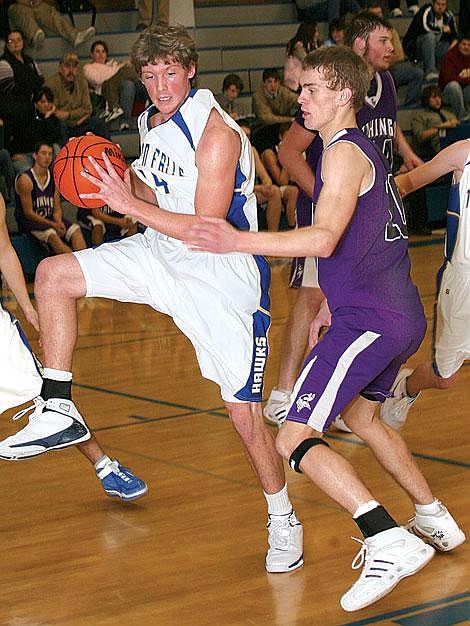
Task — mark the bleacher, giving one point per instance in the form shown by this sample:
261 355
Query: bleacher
242 38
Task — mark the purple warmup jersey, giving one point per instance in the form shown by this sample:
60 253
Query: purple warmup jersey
43 203
377 119
370 267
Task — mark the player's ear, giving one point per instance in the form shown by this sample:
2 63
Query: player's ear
359 46
192 71
345 95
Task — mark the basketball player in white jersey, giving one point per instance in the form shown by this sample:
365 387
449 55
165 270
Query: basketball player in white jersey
195 160
452 321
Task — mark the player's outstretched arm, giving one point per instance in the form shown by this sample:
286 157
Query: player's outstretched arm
11 269
450 159
335 207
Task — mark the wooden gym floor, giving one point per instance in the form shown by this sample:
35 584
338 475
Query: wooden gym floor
191 553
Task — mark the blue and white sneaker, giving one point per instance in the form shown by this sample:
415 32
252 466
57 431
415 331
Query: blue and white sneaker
120 482
53 425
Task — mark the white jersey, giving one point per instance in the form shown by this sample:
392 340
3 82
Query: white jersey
458 218
167 162
452 322
20 378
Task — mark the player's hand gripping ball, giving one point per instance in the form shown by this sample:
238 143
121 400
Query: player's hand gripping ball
73 159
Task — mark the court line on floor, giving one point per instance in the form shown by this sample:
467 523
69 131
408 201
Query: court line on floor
410 609
220 412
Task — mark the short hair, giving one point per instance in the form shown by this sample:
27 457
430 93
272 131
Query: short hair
232 79
340 68
164 43
42 142
44 91
271 72
362 25
70 59
429 92
99 42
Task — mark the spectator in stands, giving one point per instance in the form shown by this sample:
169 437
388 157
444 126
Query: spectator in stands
305 40
429 123
280 176
403 71
395 11
105 221
274 103
336 30
268 195
115 81
430 35
40 125
20 75
454 78
232 86
37 206
144 8
72 99
31 17
19 78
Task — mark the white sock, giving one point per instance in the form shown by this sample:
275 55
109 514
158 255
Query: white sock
278 503
428 509
101 462
365 508
60 375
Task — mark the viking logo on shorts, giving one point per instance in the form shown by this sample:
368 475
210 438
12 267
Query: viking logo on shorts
303 402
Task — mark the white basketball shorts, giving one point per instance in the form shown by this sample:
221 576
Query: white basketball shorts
20 378
220 302
452 330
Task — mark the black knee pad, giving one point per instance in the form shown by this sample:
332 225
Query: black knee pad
302 449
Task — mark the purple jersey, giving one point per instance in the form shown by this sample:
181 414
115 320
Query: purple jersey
43 202
377 118
370 267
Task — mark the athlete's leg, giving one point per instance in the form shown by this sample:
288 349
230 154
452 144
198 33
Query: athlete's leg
327 469
77 241
389 448
389 552
424 377
57 245
295 337
285 533
290 201
258 441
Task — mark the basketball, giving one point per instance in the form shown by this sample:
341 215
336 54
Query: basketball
73 159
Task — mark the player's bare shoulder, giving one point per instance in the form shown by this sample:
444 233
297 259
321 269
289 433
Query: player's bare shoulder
355 166
219 140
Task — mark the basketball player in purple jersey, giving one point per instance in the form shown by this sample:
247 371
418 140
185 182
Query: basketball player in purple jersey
370 37
359 237
452 315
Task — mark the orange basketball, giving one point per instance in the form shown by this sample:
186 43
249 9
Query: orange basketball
73 159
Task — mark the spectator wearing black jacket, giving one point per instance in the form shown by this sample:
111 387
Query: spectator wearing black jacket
20 77
431 33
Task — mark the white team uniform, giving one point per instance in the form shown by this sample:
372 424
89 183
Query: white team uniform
220 302
452 326
20 378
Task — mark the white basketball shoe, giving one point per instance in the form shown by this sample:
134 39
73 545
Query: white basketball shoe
53 425
439 530
285 538
387 557
277 406
395 410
